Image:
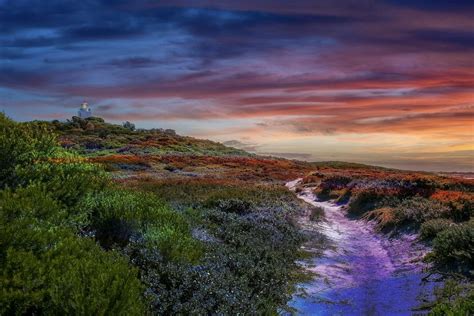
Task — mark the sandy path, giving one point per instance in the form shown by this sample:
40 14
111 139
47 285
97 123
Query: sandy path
362 273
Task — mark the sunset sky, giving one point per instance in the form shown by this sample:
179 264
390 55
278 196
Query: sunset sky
381 82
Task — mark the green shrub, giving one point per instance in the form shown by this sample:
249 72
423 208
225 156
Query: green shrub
461 210
26 213
174 243
433 227
454 299
454 247
117 215
33 201
22 144
316 213
46 268
364 201
139 209
68 182
417 210
74 277
236 206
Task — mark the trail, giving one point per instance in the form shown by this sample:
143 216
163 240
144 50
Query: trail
361 272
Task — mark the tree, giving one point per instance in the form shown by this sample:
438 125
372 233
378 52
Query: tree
129 125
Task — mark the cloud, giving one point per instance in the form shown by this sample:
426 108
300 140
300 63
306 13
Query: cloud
288 69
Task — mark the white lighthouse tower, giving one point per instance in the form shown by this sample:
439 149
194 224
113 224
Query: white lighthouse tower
85 111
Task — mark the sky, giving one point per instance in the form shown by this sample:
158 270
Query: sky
388 82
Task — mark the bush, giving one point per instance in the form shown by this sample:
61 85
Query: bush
129 126
454 299
322 194
454 247
174 243
335 182
433 227
236 206
316 214
417 210
67 181
364 201
21 145
74 277
384 218
46 268
117 215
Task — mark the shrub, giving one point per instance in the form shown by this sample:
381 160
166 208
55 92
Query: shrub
129 126
212 287
344 197
174 243
316 213
21 145
454 246
117 215
46 268
138 208
417 210
384 217
364 201
23 214
67 182
433 227
335 182
324 194
453 299
236 206
74 277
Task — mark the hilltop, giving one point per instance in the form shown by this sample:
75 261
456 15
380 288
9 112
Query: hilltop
94 136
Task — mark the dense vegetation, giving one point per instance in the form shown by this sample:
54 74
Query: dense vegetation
93 136
98 218
74 241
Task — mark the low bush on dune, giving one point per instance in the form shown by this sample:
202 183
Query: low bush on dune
208 193
344 196
47 268
316 214
453 248
384 217
433 227
364 201
454 298
417 210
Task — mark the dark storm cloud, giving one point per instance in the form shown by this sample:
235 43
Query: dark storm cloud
435 5
244 59
133 62
111 31
443 38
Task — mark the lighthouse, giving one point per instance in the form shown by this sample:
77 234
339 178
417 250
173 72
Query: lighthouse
85 111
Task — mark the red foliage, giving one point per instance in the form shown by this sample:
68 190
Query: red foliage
449 196
127 159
